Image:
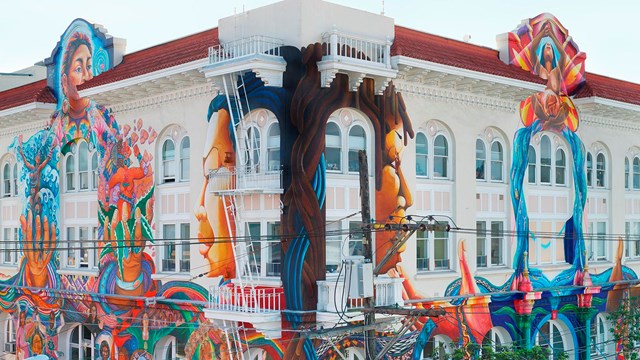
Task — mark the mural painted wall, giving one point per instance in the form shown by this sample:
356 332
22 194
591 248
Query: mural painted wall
46 303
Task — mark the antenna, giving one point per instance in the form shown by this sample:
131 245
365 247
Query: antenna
382 13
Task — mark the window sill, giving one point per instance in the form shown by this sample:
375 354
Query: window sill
7 266
76 271
166 275
430 274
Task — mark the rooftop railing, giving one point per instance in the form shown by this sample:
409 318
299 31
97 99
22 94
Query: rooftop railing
348 46
252 45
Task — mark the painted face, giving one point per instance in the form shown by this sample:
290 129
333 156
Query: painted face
394 196
548 53
80 70
104 351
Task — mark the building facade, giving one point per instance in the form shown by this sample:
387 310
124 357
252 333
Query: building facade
201 198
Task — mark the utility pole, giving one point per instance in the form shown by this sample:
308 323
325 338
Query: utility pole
367 249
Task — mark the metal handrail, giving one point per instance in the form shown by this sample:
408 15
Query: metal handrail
252 45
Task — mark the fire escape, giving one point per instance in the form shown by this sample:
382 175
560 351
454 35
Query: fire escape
244 304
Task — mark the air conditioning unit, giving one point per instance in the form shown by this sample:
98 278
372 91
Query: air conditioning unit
10 347
359 277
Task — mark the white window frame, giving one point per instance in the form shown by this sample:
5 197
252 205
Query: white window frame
184 159
595 252
632 238
10 245
593 171
635 185
432 265
7 178
9 336
78 245
273 147
73 177
336 167
82 346
181 240
351 148
497 162
168 163
489 238
432 157
602 343
423 156
553 166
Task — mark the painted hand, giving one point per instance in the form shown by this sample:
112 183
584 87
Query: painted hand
129 254
38 247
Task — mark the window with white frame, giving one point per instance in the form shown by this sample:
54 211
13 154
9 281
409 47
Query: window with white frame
598 177
174 149
81 168
80 252
490 245
481 159
168 161
6 180
496 338
636 173
433 242
433 156
632 239
273 147
81 343
547 162
252 148
497 161
596 241
601 341
9 337
422 155
438 347
357 141
334 246
10 247
274 259
356 235
333 147
627 173
15 179
254 250
175 250
550 335
185 155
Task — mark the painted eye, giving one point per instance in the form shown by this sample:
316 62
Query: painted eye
89 67
78 69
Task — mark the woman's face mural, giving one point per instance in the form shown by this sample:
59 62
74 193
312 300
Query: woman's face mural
79 71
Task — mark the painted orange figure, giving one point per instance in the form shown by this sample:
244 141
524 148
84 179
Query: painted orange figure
215 229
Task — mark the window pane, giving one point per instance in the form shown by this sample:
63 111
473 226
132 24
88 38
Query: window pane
355 238
560 167
71 245
255 249
275 252
334 245
626 173
422 246
333 145
357 142
636 173
185 258
545 160
94 171
15 179
70 167
440 158
6 180
589 168
169 252
185 149
168 161
481 247
481 156
600 170
497 243
532 165
84 246
496 161
441 249
273 148
422 155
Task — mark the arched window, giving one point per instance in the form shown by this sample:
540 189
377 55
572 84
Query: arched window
440 157
166 348
83 165
601 170
438 347
561 166
422 155
589 169
627 170
185 149
551 335
6 180
273 147
94 171
252 148
168 162
545 160
481 158
636 173
496 337
81 343
70 168
15 179
9 337
333 147
531 158
601 342
496 161
357 142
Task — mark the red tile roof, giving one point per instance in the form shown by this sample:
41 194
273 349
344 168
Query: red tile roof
441 50
35 92
162 56
408 42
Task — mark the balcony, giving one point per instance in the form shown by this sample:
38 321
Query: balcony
333 298
358 58
245 179
260 54
259 306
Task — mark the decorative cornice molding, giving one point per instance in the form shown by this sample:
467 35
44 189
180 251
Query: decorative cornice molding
454 96
611 123
166 98
28 128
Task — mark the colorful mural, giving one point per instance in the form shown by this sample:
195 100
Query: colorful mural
112 304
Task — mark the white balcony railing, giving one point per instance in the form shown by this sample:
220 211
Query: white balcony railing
245 300
348 46
253 45
245 178
332 295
